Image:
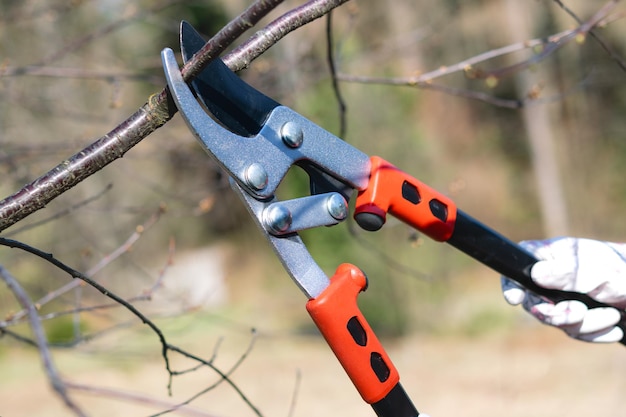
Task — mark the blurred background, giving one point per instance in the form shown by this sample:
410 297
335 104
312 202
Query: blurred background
161 227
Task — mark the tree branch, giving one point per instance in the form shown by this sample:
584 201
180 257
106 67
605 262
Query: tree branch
61 213
468 66
152 115
614 56
241 57
136 398
106 260
40 339
224 377
159 110
330 57
166 347
78 73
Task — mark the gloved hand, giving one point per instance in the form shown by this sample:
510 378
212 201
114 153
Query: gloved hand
580 265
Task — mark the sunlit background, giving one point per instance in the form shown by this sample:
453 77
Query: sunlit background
161 228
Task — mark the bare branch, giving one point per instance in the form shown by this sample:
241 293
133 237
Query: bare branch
152 115
157 111
166 347
79 73
145 295
40 340
294 396
551 47
330 57
614 56
226 36
464 93
61 213
110 28
241 57
106 260
225 377
135 398
468 66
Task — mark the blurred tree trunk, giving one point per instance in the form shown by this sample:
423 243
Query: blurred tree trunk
540 132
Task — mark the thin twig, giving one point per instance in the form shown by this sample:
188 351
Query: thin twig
61 213
40 340
18 337
106 260
79 275
242 56
165 346
151 116
469 64
612 54
76 44
294 396
145 295
330 57
388 259
78 73
225 377
135 398
551 47
464 93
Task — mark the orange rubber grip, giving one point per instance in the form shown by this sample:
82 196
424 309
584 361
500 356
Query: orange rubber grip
337 315
394 191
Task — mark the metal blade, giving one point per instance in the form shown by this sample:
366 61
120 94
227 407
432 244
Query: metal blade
237 105
241 108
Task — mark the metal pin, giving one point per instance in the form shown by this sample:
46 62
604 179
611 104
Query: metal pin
292 134
256 176
337 207
277 218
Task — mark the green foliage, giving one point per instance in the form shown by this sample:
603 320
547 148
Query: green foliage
483 322
387 308
64 330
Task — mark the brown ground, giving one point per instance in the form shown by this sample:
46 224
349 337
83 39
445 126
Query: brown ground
519 369
537 373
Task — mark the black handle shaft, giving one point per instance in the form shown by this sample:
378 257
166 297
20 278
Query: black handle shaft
509 259
395 404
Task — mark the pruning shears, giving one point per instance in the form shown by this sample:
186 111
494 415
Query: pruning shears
256 141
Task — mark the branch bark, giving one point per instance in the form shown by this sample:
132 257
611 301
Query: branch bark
548 46
40 339
166 348
159 109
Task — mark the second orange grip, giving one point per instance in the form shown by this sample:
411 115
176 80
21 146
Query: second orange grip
337 315
390 190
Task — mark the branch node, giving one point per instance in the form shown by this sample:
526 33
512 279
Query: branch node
157 109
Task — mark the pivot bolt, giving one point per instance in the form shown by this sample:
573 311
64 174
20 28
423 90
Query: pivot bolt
337 207
291 133
277 218
256 176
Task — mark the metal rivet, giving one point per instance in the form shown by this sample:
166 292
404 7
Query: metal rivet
256 176
292 134
337 207
277 218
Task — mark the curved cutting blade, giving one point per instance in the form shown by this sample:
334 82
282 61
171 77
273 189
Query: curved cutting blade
240 107
237 105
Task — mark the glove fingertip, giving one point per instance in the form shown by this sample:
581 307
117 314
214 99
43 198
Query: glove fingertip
514 296
614 335
513 293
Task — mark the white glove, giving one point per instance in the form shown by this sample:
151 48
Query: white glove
579 265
